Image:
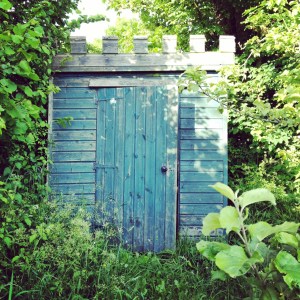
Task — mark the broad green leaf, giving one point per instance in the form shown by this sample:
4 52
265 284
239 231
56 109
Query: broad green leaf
210 222
224 190
261 230
288 239
5 5
288 265
229 219
218 275
269 293
255 196
232 261
260 247
211 249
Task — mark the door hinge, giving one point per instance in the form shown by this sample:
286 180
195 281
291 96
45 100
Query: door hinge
102 166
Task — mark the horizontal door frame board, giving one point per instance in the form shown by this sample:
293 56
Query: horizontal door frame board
141 62
130 82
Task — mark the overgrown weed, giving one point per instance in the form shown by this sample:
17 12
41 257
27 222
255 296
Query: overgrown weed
62 258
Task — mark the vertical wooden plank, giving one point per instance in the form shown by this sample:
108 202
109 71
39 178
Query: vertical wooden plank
129 171
109 154
119 156
171 175
100 148
139 178
50 129
225 145
149 232
160 160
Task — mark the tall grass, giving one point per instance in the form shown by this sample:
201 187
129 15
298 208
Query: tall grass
62 258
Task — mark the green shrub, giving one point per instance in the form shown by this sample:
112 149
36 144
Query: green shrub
266 256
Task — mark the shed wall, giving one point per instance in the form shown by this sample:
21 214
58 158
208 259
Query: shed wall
202 149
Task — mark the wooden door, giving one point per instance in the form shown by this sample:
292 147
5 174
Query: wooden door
136 162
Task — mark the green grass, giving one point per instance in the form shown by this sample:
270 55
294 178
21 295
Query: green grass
63 259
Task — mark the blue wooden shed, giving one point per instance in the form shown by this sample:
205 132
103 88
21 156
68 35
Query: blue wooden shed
136 152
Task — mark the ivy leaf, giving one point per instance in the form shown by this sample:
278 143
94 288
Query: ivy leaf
17 39
255 196
8 85
2 125
5 5
7 241
45 50
39 31
21 128
224 190
32 238
287 264
15 258
28 91
27 221
9 50
229 219
30 139
33 42
210 222
25 66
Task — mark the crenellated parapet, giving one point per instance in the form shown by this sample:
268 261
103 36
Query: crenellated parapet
141 60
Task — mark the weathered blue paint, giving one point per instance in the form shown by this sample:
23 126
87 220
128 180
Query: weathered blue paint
203 160
112 153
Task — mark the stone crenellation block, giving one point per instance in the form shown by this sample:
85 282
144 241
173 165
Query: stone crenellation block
169 44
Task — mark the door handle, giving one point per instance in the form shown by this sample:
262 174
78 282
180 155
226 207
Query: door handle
164 169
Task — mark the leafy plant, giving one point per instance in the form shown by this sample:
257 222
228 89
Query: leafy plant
64 122
267 257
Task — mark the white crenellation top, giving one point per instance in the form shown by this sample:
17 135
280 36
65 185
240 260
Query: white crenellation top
169 44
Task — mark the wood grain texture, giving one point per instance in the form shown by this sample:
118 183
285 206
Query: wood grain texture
124 129
203 160
141 62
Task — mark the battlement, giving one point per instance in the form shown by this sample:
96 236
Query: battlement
141 60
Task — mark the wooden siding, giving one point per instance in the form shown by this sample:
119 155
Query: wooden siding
203 160
87 156
141 62
73 146
113 151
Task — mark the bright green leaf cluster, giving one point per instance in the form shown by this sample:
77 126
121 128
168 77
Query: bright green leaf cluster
268 253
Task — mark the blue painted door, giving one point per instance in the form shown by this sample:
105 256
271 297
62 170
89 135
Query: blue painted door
136 162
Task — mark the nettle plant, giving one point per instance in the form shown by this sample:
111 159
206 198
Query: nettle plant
267 256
